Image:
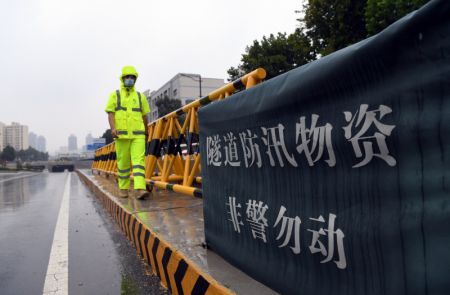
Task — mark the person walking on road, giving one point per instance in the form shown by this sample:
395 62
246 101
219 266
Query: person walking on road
127 115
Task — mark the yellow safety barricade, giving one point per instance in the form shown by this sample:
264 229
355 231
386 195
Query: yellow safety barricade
166 166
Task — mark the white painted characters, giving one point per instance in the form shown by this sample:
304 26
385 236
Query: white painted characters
290 226
332 236
314 140
250 149
326 239
365 119
255 216
313 143
214 155
273 138
231 153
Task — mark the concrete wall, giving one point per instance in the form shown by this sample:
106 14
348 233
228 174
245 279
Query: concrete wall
183 86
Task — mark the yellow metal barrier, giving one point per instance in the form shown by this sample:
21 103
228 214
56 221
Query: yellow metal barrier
167 164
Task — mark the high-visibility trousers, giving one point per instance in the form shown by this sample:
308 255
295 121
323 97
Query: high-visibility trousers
130 154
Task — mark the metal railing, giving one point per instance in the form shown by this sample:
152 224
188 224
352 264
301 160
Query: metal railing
172 156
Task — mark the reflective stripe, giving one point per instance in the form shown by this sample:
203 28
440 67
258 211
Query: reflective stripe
139 167
119 106
124 177
139 132
124 170
139 174
140 104
122 132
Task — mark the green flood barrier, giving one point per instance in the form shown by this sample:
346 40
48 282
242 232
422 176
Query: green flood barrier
333 178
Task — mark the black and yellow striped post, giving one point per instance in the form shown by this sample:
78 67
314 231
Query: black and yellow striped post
153 147
176 271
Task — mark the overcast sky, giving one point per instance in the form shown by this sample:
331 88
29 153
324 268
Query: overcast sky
60 59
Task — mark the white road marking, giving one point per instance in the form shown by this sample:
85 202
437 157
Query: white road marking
18 176
57 278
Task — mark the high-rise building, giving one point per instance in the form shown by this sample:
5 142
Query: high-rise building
72 143
2 136
41 144
32 140
16 136
184 87
38 142
153 115
89 139
63 150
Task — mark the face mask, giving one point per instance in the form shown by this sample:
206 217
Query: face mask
128 82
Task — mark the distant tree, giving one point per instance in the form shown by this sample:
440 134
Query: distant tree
8 154
234 73
167 105
25 155
327 26
107 136
276 54
333 25
31 154
20 155
380 14
302 50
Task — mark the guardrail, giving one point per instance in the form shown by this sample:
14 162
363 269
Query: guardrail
166 165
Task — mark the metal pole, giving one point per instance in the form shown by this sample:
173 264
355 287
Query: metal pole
200 82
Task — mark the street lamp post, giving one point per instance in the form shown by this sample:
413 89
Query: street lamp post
199 81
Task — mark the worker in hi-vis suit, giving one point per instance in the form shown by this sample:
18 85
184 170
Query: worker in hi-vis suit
127 115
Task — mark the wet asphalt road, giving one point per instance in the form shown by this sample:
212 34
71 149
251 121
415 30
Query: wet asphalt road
101 259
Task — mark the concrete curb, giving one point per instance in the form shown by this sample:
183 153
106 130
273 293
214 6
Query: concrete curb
177 273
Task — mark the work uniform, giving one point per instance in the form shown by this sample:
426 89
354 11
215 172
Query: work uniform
129 107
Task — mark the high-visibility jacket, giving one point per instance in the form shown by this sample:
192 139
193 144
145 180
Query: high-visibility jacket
129 107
